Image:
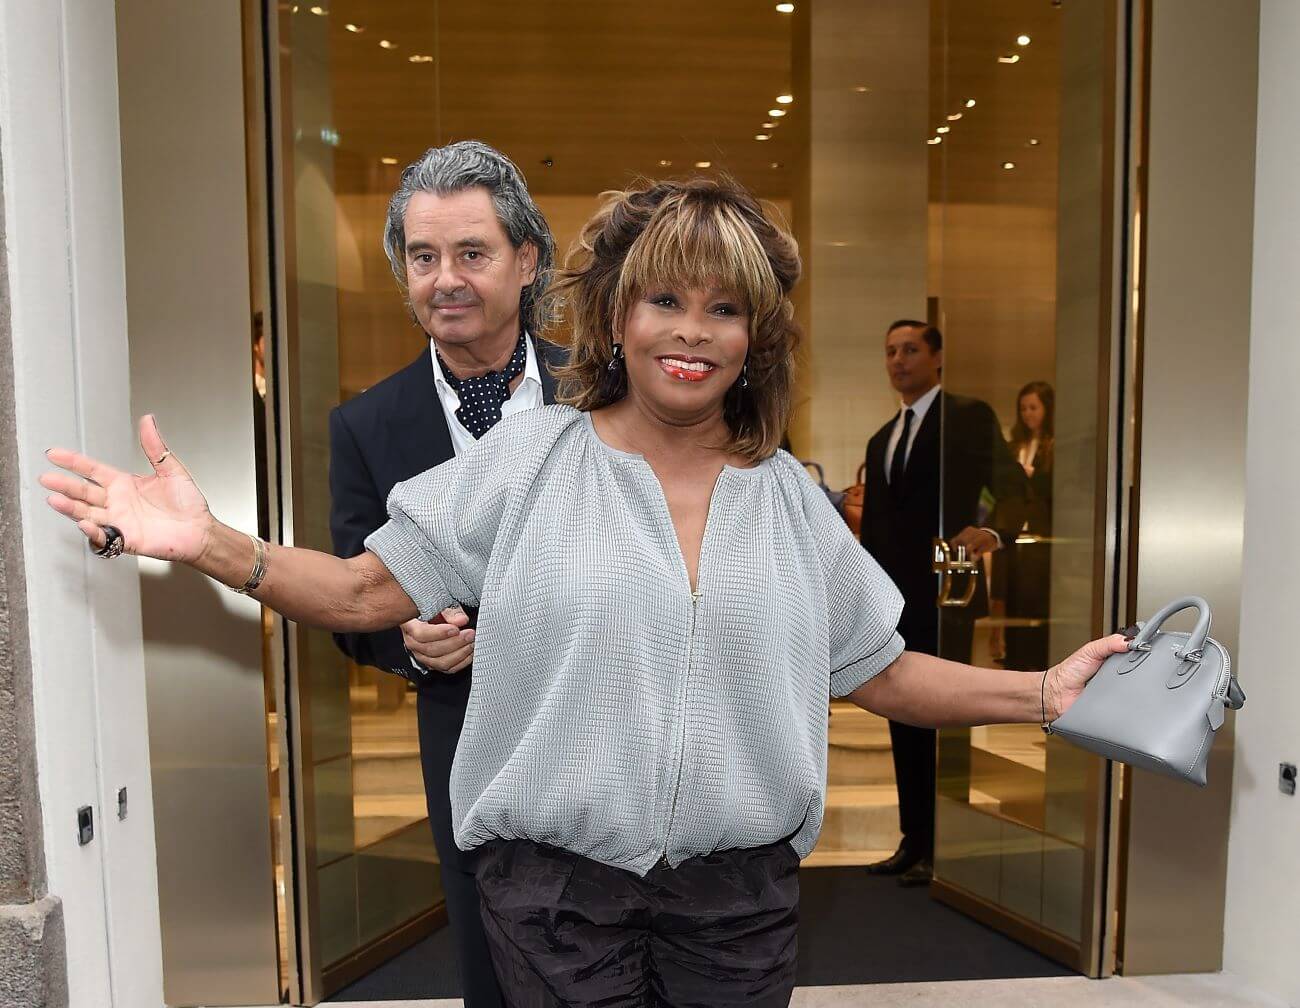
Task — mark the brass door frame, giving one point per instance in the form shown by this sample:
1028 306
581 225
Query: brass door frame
1124 83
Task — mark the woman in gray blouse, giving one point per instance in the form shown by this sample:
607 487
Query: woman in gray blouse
666 602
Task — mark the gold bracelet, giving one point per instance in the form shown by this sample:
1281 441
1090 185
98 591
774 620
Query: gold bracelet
259 569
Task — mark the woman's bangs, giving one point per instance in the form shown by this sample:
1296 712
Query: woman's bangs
693 245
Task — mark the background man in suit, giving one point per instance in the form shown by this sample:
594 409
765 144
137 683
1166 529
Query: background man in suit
920 485
473 254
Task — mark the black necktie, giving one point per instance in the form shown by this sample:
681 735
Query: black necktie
899 462
481 398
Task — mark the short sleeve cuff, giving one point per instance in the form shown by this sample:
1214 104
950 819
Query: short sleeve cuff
406 555
853 675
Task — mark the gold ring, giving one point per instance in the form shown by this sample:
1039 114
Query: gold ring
163 458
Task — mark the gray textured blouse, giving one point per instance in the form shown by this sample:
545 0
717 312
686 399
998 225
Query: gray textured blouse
613 712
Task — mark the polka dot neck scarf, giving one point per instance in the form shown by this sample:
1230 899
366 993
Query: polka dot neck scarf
481 398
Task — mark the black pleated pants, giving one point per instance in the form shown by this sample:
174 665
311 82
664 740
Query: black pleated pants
440 712
718 931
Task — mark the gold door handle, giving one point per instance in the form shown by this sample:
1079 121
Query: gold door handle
954 563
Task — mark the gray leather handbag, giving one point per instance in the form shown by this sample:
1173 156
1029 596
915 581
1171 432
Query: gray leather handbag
1157 705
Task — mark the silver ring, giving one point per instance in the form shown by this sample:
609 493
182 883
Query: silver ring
163 457
113 543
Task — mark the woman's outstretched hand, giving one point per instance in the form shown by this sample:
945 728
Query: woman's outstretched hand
1066 681
163 515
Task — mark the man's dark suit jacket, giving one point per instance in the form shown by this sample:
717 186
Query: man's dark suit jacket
392 431
899 531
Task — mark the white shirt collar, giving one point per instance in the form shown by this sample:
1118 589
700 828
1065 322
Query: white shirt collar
922 406
448 394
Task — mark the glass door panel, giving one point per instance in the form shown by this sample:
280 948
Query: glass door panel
1020 253
370 878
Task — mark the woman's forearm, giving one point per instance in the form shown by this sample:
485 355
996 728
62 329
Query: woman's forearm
931 692
307 586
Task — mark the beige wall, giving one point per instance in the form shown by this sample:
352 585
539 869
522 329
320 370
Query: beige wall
866 246
994 267
1191 491
1263 912
188 304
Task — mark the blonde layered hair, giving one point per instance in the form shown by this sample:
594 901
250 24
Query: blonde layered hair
687 235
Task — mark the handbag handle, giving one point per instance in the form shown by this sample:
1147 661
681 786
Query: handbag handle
1195 643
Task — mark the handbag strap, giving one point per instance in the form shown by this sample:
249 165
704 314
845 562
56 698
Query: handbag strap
1195 643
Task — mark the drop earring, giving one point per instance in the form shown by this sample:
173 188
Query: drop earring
744 376
618 356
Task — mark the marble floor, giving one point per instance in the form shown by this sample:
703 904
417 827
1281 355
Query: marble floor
1218 990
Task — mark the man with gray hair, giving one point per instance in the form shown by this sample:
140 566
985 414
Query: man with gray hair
473 254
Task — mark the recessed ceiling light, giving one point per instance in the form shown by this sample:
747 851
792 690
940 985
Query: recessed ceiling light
784 99
388 160
1013 58
703 164
385 44
354 28
775 164
776 113
769 125
1008 165
1033 141
954 117
320 11
862 89
762 136
665 163
935 140
1023 40
785 8
943 129
970 102
419 58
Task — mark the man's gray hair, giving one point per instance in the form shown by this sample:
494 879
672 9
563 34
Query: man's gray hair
466 165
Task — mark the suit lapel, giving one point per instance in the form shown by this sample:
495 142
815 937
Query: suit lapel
419 430
927 436
420 433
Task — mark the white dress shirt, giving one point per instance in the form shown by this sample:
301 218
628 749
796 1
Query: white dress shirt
919 409
527 395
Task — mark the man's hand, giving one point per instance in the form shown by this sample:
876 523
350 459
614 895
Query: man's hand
978 541
444 644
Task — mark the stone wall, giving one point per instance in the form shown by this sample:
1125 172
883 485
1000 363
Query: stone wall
33 971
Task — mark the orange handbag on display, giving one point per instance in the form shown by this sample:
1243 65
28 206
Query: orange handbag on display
854 496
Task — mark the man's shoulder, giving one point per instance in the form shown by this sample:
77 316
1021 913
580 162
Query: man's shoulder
883 432
965 404
381 397
550 353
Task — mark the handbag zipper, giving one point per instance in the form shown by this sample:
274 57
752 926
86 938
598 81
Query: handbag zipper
1225 676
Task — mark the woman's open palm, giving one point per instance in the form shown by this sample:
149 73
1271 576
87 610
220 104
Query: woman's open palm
163 515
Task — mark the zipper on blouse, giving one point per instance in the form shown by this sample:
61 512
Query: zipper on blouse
681 719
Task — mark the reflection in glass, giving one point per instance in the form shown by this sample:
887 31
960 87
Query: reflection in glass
1018 204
